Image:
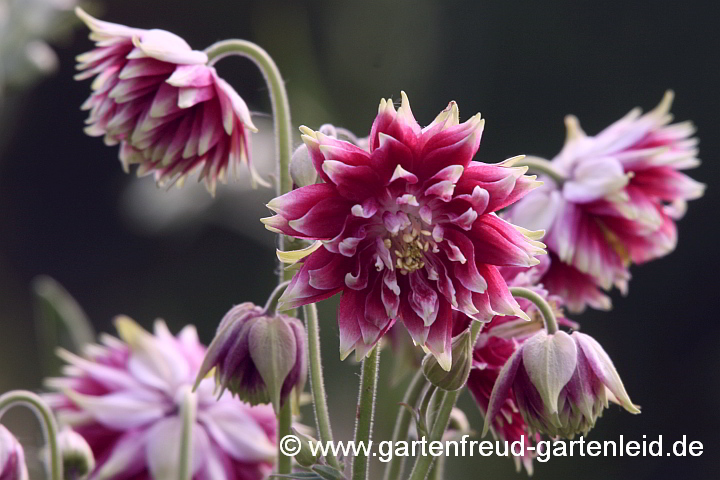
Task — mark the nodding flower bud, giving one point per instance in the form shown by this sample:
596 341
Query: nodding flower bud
258 356
561 384
12 457
305 456
457 375
77 456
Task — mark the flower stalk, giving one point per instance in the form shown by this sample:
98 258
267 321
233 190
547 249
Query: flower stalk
423 463
542 305
47 420
365 411
543 167
188 412
394 469
317 385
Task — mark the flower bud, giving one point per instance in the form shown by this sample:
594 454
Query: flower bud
457 375
12 457
302 170
560 383
259 357
305 456
78 459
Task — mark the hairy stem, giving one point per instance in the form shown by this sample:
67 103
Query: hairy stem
272 300
394 469
442 418
540 303
283 151
188 413
365 411
47 420
317 385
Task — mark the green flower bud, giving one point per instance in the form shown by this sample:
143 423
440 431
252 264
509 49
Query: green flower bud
305 456
457 375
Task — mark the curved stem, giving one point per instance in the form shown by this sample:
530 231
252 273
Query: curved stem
394 469
365 411
188 413
278 97
283 151
272 300
317 385
47 420
541 166
540 303
424 462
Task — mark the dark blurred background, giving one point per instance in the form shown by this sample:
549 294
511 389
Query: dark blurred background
67 210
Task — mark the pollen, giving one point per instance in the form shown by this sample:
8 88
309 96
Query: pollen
409 249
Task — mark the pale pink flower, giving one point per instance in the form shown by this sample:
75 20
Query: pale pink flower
12 457
408 230
167 108
125 397
621 192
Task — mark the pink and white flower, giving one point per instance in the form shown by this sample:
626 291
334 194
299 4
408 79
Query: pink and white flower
125 397
560 384
12 457
167 108
406 230
614 201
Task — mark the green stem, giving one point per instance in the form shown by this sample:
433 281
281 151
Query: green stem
424 462
272 300
541 166
365 411
437 472
426 403
283 151
317 385
278 97
47 420
394 469
284 422
542 305
188 413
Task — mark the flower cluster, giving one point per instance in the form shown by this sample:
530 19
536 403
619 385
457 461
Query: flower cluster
126 398
610 200
167 108
408 229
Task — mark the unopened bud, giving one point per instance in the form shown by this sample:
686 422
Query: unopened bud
78 458
305 456
457 375
302 170
12 457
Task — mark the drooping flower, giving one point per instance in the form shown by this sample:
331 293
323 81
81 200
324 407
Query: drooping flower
259 357
407 230
615 202
125 397
12 457
77 457
559 383
164 104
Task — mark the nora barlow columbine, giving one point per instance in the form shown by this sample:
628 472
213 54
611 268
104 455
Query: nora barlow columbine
408 229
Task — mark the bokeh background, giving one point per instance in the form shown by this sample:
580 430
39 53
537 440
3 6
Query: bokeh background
120 245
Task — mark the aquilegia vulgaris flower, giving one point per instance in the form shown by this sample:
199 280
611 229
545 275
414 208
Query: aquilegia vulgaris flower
559 383
125 396
12 457
259 357
166 107
615 202
408 229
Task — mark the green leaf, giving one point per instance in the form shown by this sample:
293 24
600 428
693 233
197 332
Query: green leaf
59 322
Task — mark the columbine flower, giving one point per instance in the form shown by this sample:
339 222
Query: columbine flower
125 396
166 107
12 457
622 191
77 456
559 383
257 356
408 229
